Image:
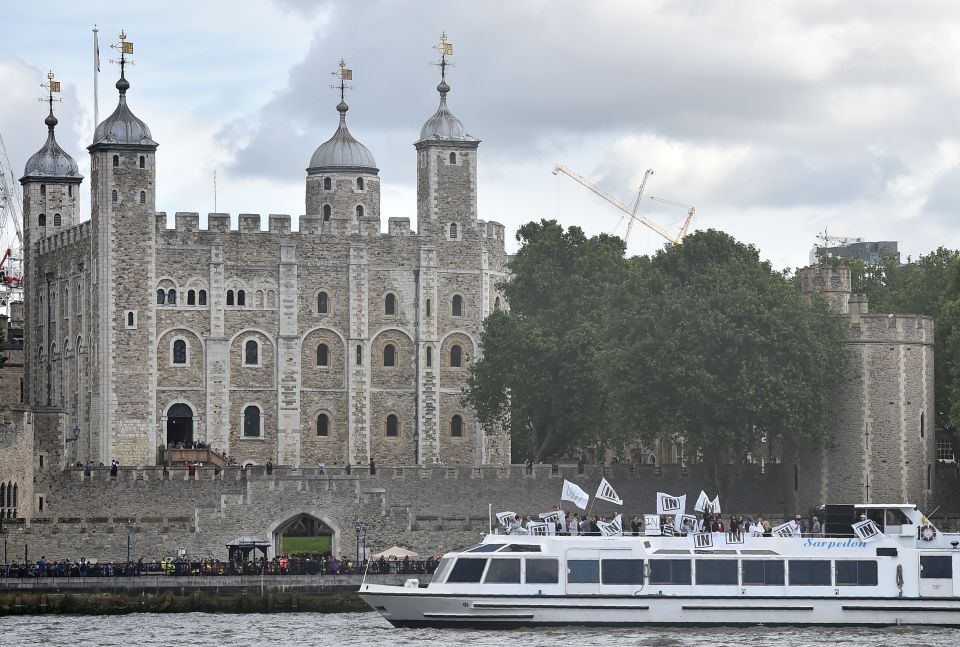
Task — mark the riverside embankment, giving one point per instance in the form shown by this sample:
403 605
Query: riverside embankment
170 594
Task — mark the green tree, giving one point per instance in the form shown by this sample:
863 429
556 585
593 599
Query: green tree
713 348
540 372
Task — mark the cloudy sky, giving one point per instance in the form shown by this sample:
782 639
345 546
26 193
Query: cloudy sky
775 119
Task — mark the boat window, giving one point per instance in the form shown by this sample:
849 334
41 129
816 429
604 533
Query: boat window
715 552
809 572
896 518
936 567
670 571
716 571
583 571
856 573
542 571
503 571
467 570
486 548
764 572
521 548
442 569
750 551
622 571
671 551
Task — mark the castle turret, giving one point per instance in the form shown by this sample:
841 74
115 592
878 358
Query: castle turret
446 167
343 181
123 181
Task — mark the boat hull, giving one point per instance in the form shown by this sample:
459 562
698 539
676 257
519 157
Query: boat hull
409 607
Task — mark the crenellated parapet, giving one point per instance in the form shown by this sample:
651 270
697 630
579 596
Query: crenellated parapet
64 238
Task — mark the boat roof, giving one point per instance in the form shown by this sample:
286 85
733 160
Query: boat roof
889 506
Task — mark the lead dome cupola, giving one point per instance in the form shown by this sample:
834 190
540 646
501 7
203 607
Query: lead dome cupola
443 125
123 127
51 161
342 151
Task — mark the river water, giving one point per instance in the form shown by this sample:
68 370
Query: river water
370 630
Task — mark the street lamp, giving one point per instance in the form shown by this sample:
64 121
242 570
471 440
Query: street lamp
358 526
129 534
6 533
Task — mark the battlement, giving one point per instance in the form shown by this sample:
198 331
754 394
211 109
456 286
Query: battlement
908 329
64 238
309 225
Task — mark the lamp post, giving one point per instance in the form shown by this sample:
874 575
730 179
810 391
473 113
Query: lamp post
129 535
358 526
6 533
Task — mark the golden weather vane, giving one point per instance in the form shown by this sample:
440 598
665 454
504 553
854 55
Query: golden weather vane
51 86
344 74
446 49
124 47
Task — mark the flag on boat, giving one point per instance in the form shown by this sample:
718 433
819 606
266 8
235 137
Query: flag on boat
555 517
504 518
867 530
540 528
702 539
651 524
606 493
783 530
704 504
573 493
615 527
668 504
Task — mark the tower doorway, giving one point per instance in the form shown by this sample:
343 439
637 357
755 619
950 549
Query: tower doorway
303 534
179 425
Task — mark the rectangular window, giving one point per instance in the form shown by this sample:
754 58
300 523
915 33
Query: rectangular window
621 571
441 573
670 571
810 572
945 450
762 572
856 573
503 571
716 571
542 571
467 569
933 567
583 571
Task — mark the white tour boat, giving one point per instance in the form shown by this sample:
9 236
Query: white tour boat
899 570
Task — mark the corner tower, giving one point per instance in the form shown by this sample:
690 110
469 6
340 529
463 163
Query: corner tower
446 166
123 194
51 188
343 181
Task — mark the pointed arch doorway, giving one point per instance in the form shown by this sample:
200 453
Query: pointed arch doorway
305 532
179 425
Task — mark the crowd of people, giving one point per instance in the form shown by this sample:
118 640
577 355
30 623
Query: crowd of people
197 567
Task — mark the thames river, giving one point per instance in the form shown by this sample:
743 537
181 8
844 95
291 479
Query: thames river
369 630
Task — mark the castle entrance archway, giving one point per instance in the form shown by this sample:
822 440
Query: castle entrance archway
305 532
179 425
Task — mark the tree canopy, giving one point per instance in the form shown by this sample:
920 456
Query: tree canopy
701 343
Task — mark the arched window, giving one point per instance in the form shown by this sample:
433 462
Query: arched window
429 356
359 354
456 356
271 299
389 355
179 352
258 298
323 425
251 353
69 190
359 211
143 162
921 424
203 297
161 297
393 426
251 422
453 158
327 211
359 184
322 303
42 220
191 297
43 189
457 306
428 307
323 355
143 197
453 231
15 495
57 220
327 184
241 298
390 304
229 297
130 320
172 297
456 426
113 197
116 161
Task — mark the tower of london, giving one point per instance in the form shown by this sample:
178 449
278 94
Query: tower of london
332 343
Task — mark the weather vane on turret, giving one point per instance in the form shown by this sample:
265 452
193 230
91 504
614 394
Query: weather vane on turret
50 86
344 74
445 49
124 47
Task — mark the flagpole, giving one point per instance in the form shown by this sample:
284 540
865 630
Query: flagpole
96 75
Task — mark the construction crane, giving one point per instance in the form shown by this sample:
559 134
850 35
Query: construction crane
691 212
632 213
636 205
11 268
